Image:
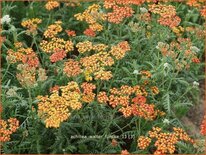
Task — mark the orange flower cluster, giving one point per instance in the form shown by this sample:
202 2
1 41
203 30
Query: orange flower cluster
203 126
31 24
71 33
72 68
23 55
146 74
193 3
55 88
136 106
88 95
154 90
203 12
7 128
143 142
110 3
167 14
56 44
119 13
53 30
124 152
57 108
92 16
144 110
50 5
120 50
164 142
102 97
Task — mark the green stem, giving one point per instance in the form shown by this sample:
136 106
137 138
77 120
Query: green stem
6 71
30 99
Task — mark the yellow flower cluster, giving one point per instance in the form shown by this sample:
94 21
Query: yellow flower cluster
85 46
56 44
164 142
53 30
93 65
99 47
103 75
31 24
92 15
57 108
96 63
50 5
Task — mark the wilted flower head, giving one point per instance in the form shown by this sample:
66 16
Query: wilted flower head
195 84
136 72
5 19
194 49
143 10
12 92
166 121
161 45
166 65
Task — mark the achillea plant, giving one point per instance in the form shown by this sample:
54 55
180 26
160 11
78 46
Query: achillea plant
164 142
51 4
55 109
31 25
8 127
81 74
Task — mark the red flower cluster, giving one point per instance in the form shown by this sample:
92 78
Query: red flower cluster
71 33
58 55
203 126
89 32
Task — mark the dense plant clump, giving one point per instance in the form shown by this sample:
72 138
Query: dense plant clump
112 76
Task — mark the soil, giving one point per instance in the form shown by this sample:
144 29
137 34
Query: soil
195 115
